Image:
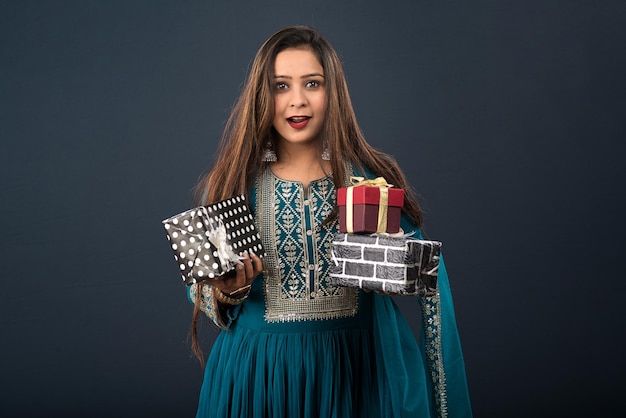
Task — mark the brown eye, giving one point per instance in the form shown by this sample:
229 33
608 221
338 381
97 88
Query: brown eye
313 84
281 86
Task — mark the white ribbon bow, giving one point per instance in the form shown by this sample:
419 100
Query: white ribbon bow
217 237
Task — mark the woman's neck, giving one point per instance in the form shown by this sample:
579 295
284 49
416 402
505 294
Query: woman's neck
300 162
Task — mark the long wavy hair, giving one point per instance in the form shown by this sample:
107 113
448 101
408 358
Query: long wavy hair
249 129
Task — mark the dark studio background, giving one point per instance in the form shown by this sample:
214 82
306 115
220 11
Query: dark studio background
508 118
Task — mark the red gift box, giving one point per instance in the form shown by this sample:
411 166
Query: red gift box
370 206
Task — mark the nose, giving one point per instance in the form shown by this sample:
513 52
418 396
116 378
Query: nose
297 97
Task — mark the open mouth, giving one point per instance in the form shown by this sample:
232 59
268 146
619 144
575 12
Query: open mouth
298 122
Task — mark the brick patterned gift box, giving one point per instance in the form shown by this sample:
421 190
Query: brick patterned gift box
369 206
404 266
208 240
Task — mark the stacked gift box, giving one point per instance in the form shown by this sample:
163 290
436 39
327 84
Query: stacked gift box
371 252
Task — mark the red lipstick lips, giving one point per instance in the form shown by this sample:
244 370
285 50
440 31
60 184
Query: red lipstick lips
298 122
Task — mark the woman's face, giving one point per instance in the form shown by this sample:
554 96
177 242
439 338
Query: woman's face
299 96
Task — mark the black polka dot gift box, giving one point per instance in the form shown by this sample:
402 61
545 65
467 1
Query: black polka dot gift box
398 265
209 240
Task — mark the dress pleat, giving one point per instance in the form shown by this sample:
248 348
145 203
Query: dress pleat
308 374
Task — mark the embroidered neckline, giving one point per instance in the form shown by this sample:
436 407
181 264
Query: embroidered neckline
328 176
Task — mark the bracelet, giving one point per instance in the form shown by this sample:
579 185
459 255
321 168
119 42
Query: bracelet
228 299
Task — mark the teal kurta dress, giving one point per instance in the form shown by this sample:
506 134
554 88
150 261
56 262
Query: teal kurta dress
300 347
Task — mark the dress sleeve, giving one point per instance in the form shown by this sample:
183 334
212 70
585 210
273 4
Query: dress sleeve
222 318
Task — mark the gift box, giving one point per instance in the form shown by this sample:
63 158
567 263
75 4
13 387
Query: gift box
208 240
403 266
369 206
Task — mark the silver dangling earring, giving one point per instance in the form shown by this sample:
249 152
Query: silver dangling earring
326 152
269 155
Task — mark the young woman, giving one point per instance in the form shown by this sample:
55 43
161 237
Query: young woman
292 344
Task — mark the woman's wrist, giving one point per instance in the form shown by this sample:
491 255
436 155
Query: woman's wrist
235 297
237 293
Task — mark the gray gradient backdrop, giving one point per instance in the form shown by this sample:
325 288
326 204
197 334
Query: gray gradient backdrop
508 118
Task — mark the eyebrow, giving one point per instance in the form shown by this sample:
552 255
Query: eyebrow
304 76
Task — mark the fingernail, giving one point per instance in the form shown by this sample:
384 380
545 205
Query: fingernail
239 267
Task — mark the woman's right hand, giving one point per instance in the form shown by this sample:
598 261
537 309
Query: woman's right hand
243 275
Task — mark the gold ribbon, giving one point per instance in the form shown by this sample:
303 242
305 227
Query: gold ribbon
383 203
349 207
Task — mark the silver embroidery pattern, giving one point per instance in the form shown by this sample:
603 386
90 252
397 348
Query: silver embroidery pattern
297 286
207 303
431 311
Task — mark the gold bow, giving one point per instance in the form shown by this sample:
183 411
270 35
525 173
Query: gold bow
377 182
